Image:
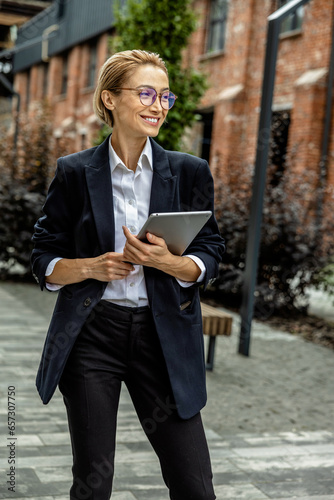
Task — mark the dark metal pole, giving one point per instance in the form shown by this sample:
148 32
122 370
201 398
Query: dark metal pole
259 182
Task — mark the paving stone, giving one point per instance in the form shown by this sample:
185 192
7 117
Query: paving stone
271 451
45 461
236 477
55 438
320 461
321 497
224 466
269 418
28 440
35 498
138 469
295 489
123 495
143 446
297 437
54 474
152 494
291 476
130 436
136 484
320 448
259 464
239 492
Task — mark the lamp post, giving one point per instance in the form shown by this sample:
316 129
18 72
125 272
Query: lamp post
254 226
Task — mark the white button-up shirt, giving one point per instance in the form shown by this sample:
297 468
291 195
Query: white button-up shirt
131 200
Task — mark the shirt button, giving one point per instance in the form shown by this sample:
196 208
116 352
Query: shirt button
132 229
131 202
132 284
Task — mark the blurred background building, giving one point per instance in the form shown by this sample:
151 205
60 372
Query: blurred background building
230 44
71 42
59 50
13 14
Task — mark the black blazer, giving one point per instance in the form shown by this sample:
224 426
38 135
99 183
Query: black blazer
78 222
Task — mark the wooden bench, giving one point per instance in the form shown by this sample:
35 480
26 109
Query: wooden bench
215 322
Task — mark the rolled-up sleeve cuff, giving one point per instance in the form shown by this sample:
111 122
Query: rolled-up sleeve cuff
49 270
202 267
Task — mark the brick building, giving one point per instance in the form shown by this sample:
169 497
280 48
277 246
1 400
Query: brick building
229 45
61 66
13 14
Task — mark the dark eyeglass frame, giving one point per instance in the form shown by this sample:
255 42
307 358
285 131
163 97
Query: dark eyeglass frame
160 94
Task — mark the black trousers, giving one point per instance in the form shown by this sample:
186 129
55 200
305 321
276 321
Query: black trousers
120 344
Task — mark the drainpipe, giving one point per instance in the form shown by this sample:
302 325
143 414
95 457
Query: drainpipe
326 137
45 41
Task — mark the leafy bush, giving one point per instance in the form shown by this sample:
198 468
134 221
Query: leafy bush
19 210
25 171
293 248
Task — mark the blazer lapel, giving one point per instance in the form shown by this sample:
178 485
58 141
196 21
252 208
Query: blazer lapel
98 178
162 200
163 182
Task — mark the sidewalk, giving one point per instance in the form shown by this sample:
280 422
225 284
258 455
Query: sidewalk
269 418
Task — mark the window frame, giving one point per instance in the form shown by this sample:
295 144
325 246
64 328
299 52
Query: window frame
64 75
217 22
293 23
92 65
28 89
45 79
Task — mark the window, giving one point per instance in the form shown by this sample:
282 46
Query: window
92 65
207 121
217 25
83 141
294 21
280 122
61 9
45 73
28 89
64 76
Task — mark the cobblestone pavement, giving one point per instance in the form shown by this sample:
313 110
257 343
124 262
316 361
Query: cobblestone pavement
269 419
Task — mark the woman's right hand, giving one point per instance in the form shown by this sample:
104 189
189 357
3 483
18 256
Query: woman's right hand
106 267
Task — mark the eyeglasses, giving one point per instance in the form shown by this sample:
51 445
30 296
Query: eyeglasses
148 96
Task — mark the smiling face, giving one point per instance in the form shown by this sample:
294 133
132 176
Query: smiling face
130 116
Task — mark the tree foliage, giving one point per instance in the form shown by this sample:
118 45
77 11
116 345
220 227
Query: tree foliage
294 251
164 28
25 170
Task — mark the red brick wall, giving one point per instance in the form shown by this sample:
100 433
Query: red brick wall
72 113
241 64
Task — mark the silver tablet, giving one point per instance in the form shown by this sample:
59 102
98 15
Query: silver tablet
178 229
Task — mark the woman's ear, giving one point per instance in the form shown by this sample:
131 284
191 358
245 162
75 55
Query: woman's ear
108 99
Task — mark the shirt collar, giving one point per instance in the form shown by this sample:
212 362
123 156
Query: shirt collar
145 159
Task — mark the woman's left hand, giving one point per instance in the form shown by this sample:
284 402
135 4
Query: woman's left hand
156 254
151 254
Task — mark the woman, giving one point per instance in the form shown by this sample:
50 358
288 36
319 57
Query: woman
128 310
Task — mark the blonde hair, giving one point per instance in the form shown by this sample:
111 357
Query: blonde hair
114 73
